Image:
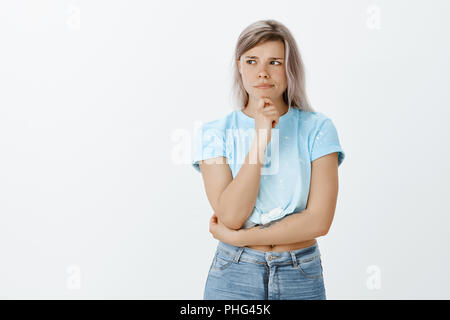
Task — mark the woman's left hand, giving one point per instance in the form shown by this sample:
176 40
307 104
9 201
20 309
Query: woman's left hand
222 232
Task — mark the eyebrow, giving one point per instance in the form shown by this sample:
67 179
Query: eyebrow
255 57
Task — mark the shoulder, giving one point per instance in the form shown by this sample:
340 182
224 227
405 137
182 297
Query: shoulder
313 117
312 120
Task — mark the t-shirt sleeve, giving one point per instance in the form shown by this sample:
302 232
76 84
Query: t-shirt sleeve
326 141
209 142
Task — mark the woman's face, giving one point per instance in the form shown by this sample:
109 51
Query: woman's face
258 66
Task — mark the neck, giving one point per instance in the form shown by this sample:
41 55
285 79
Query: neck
252 104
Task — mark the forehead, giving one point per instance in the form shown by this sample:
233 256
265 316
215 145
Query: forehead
267 49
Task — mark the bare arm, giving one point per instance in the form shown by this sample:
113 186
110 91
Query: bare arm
310 223
234 199
297 227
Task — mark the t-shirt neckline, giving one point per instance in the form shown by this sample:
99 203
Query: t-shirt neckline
282 118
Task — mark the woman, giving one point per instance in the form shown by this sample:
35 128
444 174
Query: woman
270 171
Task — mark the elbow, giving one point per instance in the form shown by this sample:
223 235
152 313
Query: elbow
226 216
323 229
232 224
228 220
321 223
322 232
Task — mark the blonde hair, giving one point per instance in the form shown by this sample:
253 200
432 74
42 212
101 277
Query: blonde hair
272 30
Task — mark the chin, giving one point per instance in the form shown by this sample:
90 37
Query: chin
265 95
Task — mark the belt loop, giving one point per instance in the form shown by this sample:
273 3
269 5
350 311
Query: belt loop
238 255
294 258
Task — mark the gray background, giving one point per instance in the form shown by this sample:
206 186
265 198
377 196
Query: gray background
98 104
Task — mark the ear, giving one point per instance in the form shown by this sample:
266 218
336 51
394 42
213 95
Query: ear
238 64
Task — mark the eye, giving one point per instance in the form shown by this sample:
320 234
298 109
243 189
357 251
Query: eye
279 63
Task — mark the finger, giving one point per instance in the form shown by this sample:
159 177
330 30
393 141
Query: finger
267 101
270 113
270 107
272 116
261 104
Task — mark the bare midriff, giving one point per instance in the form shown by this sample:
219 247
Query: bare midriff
284 247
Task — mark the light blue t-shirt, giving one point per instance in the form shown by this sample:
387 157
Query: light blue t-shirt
299 138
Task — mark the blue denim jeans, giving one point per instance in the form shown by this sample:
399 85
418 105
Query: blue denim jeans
241 273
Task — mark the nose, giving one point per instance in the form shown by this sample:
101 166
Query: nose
262 73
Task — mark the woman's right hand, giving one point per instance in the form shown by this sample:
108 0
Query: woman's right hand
266 118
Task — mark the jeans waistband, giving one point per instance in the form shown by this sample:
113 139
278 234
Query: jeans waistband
269 257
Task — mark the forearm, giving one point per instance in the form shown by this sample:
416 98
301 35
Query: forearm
296 227
238 199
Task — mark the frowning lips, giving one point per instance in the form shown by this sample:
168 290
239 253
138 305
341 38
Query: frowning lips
264 85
